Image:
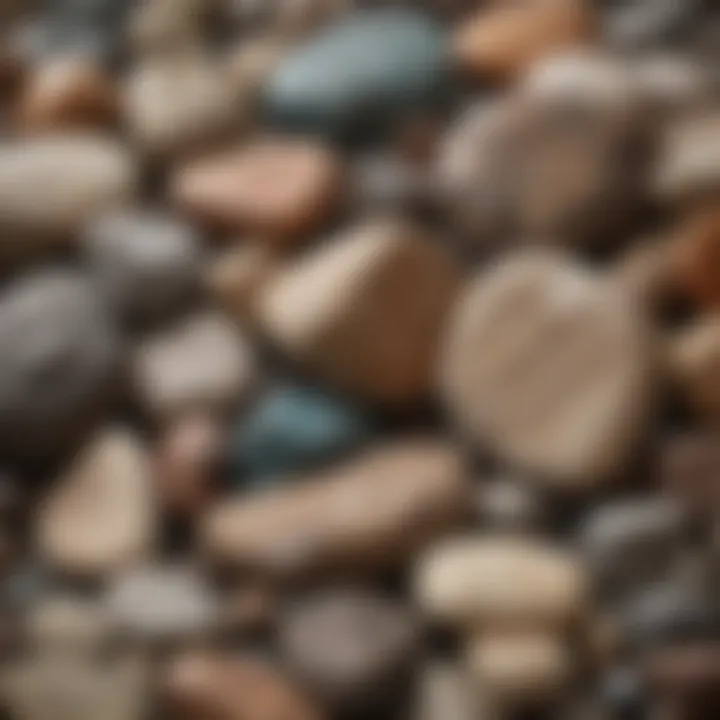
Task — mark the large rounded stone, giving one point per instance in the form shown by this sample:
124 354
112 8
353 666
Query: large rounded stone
364 516
50 186
354 649
335 87
478 581
58 364
549 367
365 311
146 264
99 517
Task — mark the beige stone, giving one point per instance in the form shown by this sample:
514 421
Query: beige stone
551 368
483 581
99 516
365 515
365 311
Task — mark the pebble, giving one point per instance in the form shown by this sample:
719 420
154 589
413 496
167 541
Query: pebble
363 516
633 542
200 685
187 464
277 189
689 671
98 517
445 692
520 669
67 93
161 27
162 603
235 278
252 63
485 581
510 503
693 359
67 624
550 368
180 105
334 87
365 311
51 186
498 43
145 263
293 429
172 372
58 365
354 649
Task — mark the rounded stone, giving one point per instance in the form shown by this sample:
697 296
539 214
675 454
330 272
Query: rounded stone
510 503
58 365
294 429
354 649
145 263
445 692
99 516
550 368
172 373
333 86
478 581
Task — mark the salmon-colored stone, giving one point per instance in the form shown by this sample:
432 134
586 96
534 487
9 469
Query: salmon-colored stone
280 189
363 516
504 39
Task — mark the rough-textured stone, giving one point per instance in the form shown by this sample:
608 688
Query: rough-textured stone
366 515
200 362
480 580
58 364
277 189
99 515
365 312
550 368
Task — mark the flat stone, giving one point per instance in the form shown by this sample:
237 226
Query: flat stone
334 87
277 189
293 429
51 186
354 649
364 312
363 516
99 516
445 692
196 686
172 372
479 581
58 365
550 368
146 264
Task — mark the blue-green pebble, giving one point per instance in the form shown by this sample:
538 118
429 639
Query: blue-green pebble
292 429
357 78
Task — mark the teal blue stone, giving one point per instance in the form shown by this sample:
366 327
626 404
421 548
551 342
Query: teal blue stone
292 429
358 78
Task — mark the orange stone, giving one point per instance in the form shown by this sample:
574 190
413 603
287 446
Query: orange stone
67 93
503 40
279 189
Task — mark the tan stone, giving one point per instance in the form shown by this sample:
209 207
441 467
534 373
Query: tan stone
446 692
517 669
365 515
67 93
252 62
551 368
365 311
279 189
99 516
504 39
197 686
510 581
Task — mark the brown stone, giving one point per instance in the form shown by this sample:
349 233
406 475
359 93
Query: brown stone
445 692
504 39
551 368
252 63
696 258
365 515
236 277
278 189
198 686
248 609
67 93
99 516
187 464
365 311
